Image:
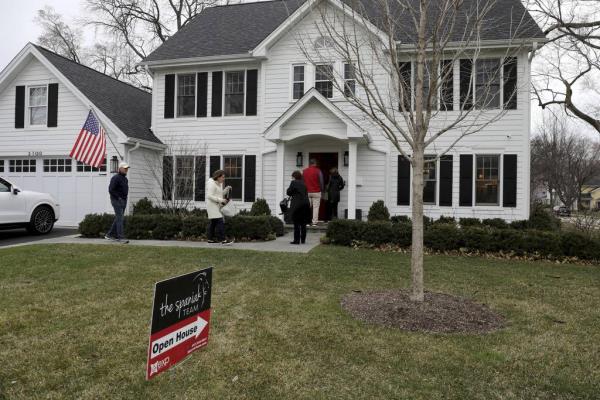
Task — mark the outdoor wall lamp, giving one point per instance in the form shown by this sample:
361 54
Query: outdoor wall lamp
346 158
114 165
299 160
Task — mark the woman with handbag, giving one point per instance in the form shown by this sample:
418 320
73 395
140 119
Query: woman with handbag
215 200
299 207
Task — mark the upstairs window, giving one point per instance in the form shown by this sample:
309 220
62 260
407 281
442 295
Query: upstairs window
487 86
447 85
510 83
324 80
487 180
298 82
38 105
234 92
349 80
428 76
405 89
186 95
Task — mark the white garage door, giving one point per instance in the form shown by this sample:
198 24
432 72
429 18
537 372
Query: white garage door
79 189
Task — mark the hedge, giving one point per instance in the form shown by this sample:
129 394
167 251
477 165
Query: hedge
183 227
484 238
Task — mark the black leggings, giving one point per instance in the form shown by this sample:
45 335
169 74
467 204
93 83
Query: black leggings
216 225
299 233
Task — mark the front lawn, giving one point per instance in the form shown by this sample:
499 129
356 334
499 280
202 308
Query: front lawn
74 323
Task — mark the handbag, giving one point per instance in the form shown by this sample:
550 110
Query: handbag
229 209
284 205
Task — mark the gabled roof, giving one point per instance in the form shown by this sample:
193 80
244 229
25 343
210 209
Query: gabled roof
226 30
238 29
128 107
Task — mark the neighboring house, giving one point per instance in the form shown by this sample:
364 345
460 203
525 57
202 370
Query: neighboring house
235 80
590 195
44 102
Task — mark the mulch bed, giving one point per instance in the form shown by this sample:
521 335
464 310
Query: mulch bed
439 313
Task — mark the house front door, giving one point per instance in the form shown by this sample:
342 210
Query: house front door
325 162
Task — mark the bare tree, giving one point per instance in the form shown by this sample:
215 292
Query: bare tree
570 60
563 160
57 35
411 112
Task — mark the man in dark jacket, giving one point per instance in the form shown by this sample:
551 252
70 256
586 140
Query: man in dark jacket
118 190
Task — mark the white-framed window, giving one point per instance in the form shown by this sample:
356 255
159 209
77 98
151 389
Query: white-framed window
22 165
38 105
186 95
233 165
81 167
184 178
235 82
429 180
349 80
487 179
487 83
298 79
58 165
324 79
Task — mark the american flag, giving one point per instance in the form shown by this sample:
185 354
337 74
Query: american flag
90 147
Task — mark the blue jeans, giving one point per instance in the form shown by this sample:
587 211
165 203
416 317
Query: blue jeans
116 230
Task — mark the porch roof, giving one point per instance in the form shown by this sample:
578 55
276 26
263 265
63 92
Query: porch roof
276 132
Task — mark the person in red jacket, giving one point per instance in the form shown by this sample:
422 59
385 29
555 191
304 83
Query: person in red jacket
313 179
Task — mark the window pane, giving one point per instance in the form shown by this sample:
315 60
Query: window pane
429 178
325 88
298 83
324 80
487 180
234 93
349 80
184 175
405 89
37 116
37 96
487 94
232 165
298 90
186 95
299 73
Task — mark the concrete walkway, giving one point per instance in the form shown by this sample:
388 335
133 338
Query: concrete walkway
282 244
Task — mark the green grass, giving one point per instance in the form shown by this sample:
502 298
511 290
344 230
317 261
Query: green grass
74 323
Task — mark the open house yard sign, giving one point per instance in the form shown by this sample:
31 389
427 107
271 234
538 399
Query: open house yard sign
180 320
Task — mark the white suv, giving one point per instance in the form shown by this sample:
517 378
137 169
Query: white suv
35 211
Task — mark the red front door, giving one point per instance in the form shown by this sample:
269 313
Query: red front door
325 161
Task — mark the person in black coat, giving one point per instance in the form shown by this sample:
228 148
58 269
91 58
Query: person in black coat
335 186
299 207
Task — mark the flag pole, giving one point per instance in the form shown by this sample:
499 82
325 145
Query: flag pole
107 135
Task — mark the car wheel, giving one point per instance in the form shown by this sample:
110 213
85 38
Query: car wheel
42 220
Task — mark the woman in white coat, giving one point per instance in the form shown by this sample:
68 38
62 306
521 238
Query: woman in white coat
215 199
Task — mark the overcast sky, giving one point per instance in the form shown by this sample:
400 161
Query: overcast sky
17 27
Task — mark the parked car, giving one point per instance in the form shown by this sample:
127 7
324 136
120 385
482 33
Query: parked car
562 211
37 212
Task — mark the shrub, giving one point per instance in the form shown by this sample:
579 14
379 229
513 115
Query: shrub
427 221
400 219
377 233
248 227
442 237
469 222
143 207
141 226
520 224
194 227
260 207
277 225
446 220
402 232
498 223
542 219
378 212
344 231
575 244
95 225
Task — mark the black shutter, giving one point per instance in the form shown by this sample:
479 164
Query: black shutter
52 105
446 171
202 88
510 83
200 178
406 82
403 181
251 91
20 107
465 192
217 93
250 179
167 189
510 180
169 96
466 84
215 164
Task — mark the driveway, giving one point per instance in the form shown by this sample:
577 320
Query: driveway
20 236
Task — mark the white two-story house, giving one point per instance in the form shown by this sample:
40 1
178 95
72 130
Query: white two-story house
236 84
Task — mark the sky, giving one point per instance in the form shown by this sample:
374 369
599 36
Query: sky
17 28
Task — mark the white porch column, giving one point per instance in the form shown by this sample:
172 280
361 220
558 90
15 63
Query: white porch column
352 161
280 187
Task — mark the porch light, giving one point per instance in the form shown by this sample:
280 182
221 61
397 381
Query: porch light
346 158
299 160
114 165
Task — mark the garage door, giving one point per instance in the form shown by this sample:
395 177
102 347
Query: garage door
79 189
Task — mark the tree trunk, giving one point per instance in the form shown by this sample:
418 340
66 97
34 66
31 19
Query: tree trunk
416 260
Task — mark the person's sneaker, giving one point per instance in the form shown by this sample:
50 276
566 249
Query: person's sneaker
211 241
109 238
227 242
123 241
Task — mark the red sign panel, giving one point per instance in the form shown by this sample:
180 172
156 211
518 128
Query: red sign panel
180 320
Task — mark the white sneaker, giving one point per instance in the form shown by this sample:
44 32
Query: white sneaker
227 242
